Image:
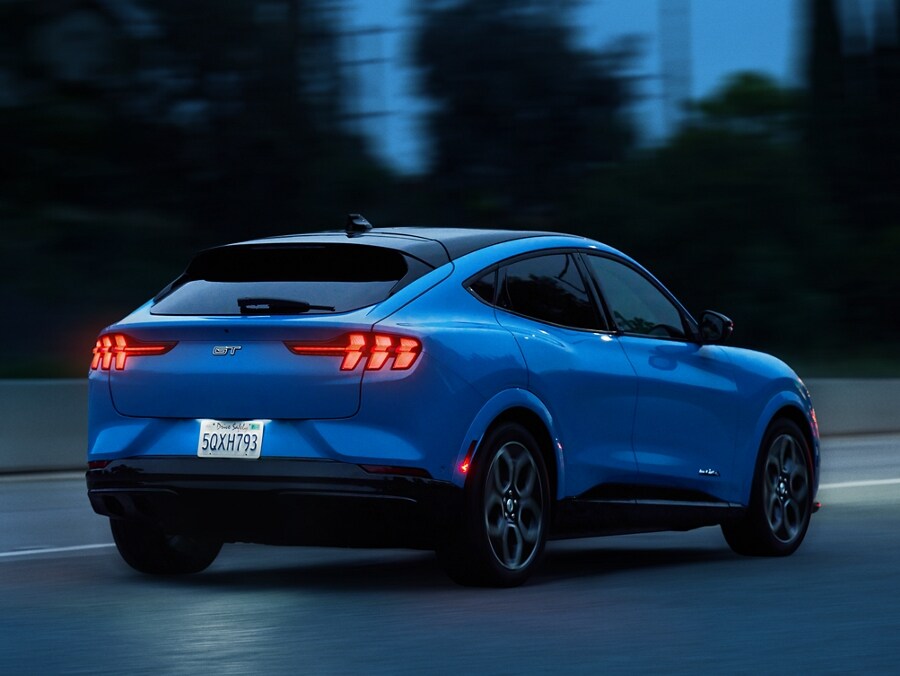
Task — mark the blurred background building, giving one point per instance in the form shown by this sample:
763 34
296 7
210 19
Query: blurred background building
748 152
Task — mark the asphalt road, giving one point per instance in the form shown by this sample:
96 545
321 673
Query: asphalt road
662 603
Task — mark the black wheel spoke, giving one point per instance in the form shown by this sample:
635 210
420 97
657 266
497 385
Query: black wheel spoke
513 506
785 488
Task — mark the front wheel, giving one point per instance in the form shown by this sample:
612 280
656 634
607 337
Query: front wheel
781 497
503 530
149 550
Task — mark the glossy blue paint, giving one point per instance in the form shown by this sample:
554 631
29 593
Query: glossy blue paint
618 408
686 415
587 384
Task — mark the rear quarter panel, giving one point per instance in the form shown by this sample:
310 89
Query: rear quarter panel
467 358
471 370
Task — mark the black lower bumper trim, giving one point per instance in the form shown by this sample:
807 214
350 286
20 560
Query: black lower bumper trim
276 501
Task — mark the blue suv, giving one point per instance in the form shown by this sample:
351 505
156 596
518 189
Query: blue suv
474 392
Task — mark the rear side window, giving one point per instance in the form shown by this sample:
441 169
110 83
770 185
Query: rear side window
549 288
483 287
296 279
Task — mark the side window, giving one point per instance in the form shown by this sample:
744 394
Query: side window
483 287
549 288
636 304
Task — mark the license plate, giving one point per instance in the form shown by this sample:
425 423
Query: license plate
230 438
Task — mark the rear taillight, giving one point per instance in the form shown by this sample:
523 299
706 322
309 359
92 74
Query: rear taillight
376 348
114 349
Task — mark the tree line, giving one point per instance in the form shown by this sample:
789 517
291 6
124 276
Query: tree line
133 133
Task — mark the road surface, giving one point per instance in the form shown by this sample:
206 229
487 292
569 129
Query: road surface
661 603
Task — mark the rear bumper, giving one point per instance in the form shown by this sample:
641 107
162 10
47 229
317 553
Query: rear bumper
273 501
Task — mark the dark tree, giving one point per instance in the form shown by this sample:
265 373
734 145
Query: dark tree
729 216
520 113
133 133
853 141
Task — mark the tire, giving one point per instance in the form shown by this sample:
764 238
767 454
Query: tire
501 537
149 550
781 499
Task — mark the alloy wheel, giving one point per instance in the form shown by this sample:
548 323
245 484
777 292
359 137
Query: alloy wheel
513 506
786 488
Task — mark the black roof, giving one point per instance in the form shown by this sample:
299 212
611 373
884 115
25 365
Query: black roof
434 246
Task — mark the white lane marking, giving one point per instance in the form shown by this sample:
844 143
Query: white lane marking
79 548
52 550
861 484
41 476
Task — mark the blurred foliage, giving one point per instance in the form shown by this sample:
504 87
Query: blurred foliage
853 141
134 132
751 102
777 206
520 112
729 215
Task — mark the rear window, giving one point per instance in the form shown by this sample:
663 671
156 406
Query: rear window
297 279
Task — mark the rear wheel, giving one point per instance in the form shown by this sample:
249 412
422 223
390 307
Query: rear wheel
504 528
149 550
781 498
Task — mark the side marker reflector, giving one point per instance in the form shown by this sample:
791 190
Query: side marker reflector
467 461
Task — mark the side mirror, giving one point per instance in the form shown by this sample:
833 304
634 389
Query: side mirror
715 327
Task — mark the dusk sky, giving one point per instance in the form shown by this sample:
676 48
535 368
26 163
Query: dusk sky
726 36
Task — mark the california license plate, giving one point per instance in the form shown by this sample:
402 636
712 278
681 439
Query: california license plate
230 438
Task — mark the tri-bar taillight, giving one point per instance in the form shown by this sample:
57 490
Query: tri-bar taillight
114 349
377 349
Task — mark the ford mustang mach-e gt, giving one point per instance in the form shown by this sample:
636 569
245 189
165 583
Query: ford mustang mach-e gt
475 392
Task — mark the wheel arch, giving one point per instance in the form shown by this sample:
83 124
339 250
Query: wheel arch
785 405
525 409
796 415
536 427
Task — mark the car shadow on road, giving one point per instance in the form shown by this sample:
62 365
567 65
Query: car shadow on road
601 561
362 570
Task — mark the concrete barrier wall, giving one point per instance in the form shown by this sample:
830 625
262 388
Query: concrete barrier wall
855 405
44 425
44 422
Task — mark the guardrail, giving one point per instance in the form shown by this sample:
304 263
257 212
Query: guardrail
44 422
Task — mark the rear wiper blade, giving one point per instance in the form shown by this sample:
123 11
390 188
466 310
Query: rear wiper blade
277 306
